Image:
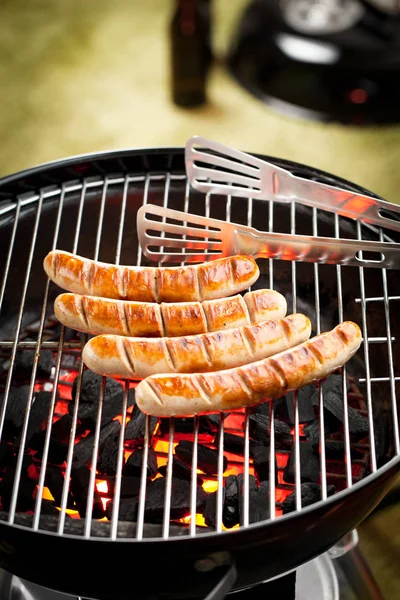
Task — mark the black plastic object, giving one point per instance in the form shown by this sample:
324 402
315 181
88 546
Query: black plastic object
342 67
183 567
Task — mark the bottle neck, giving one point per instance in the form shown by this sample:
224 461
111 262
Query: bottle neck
187 16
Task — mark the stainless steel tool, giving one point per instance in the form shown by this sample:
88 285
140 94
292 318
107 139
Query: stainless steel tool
197 238
214 168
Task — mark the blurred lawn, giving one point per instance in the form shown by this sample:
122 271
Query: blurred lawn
88 76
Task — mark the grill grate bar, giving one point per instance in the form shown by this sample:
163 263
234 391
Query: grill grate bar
366 355
272 473
296 434
220 476
143 476
320 390
346 428
377 379
142 491
120 455
31 344
65 490
378 298
96 441
390 359
168 483
92 478
193 481
17 477
46 445
20 314
9 254
246 454
118 474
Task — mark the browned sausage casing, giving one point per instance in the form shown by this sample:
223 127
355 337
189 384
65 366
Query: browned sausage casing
135 358
148 319
214 279
201 393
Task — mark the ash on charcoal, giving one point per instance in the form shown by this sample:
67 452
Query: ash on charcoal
312 431
6 455
180 470
382 427
79 486
27 485
61 429
83 450
258 503
107 458
136 427
207 458
210 423
335 450
304 404
210 509
57 453
310 493
133 466
180 499
256 499
230 511
334 415
54 480
309 464
259 425
91 388
49 507
17 402
261 462
128 508
89 400
234 443
333 383
39 414
130 486
24 363
233 507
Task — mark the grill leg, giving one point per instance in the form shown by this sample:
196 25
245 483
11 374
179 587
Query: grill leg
355 568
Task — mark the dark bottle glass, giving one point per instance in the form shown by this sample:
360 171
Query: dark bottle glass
190 53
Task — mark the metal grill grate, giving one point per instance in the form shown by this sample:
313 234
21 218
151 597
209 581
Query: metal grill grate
109 195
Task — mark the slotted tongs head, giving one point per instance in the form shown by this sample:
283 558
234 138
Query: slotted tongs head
214 168
168 235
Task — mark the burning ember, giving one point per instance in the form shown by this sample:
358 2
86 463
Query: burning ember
208 452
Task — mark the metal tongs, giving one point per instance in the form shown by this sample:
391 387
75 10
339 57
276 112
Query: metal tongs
167 235
214 168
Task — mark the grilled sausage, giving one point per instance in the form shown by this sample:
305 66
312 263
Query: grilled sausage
201 393
149 319
135 358
214 279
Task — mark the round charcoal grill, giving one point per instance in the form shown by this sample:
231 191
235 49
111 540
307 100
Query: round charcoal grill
73 517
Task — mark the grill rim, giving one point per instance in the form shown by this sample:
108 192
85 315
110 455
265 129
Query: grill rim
243 540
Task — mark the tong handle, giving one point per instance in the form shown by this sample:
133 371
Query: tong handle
346 252
338 200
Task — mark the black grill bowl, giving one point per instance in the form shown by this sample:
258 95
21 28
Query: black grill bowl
180 567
